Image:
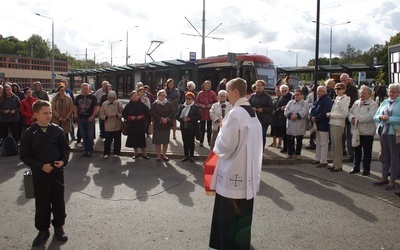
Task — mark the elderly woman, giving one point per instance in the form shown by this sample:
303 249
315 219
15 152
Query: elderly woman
111 114
318 115
217 113
280 110
9 112
337 118
261 102
62 108
191 87
388 117
188 116
361 115
296 113
136 113
173 96
277 126
162 114
205 99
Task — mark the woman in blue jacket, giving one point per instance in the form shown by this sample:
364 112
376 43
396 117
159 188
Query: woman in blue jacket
388 117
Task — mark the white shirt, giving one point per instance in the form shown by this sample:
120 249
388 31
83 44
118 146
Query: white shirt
365 116
216 113
340 110
239 146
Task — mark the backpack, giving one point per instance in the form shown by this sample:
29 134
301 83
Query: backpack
9 146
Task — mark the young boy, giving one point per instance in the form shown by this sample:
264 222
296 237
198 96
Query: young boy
45 150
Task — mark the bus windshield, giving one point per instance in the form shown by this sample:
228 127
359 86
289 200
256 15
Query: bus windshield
268 74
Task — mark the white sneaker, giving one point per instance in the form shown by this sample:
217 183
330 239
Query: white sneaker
79 145
104 139
105 156
116 156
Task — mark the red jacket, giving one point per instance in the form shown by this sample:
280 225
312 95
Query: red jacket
26 109
206 98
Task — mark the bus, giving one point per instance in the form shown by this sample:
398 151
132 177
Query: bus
250 67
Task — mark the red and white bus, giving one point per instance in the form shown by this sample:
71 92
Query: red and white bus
250 67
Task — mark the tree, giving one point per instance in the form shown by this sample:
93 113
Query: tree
350 55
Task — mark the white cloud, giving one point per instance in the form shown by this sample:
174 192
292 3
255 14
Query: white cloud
279 26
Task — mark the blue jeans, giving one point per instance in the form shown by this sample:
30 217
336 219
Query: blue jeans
86 128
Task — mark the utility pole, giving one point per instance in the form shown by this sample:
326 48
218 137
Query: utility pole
203 36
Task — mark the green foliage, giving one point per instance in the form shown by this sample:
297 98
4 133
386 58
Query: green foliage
36 47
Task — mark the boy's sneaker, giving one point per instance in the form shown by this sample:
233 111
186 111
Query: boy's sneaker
41 238
79 145
60 234
105 156
116 156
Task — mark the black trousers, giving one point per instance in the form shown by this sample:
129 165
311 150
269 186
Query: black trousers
49 193
110 136
203 130
12 126
291 141
188 142
365 147
231 223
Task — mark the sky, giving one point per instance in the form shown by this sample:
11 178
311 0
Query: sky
282 29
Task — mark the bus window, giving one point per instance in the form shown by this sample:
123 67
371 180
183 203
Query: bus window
268 75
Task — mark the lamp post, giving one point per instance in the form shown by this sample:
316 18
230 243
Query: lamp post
53 76
266 47
127 38
111 43
330 39
297 56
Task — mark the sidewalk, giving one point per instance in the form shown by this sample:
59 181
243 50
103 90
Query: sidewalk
272 155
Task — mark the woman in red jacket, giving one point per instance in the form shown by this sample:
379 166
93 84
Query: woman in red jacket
26 107
205 99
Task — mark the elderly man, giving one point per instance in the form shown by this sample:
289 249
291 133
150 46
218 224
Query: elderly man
361 116
103 90
318 115
86 109
217 113
352 92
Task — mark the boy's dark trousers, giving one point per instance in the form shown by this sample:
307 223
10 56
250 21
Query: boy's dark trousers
49 193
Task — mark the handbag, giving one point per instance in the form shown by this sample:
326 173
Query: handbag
124 128
28 184
397 134
150 130
355 138
197 131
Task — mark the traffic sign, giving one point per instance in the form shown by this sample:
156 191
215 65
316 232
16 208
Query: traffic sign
192 56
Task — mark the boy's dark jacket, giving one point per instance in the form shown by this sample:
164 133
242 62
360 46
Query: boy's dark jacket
38 147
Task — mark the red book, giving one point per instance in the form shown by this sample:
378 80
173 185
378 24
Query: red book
209 167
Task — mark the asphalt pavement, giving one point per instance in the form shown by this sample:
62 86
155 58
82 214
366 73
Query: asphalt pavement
121 203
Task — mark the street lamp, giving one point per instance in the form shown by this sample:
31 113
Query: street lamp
53 76
330 39
266 47
127 37
111 43
297 56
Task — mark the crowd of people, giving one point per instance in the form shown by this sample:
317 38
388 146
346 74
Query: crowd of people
343 119
336 112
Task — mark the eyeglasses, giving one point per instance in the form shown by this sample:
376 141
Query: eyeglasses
189 98
284 91
296 94
338 89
